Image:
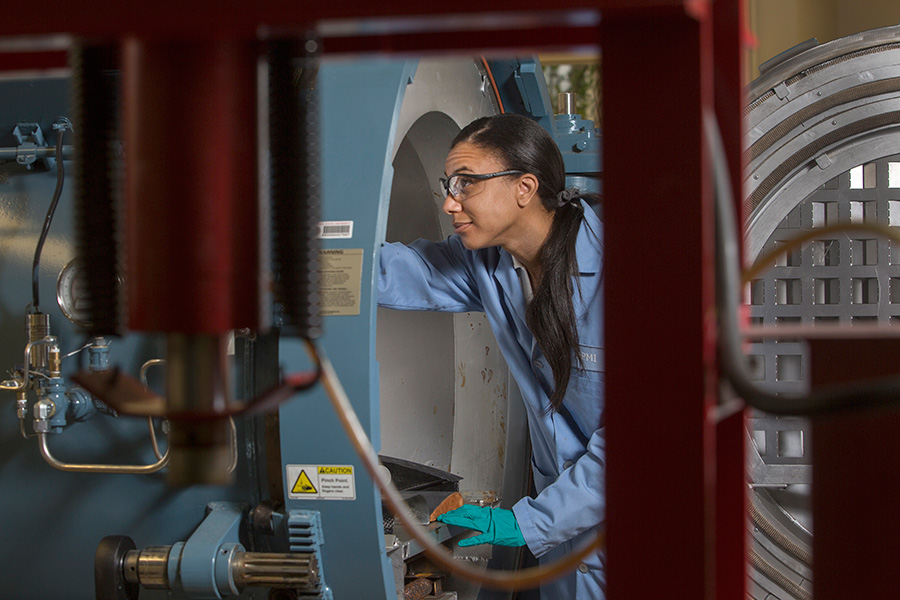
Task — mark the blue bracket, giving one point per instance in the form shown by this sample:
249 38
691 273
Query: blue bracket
195 566
523 90
30 137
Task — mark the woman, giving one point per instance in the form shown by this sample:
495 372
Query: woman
526 252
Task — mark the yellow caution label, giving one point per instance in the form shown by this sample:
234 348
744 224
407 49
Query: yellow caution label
320 482
304 485
335 470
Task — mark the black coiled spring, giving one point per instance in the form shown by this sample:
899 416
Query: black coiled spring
295 182
95 112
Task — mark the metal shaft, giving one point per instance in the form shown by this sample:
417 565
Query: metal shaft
566 103
298 571
196 382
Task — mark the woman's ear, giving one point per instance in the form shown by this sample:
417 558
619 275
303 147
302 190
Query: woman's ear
526 189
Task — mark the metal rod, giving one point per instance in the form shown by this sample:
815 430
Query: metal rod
89 468
12 152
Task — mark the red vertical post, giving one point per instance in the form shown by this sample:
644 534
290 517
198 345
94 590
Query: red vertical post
660 350
731 481
856 522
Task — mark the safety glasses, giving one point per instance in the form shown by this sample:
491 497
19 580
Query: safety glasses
457 185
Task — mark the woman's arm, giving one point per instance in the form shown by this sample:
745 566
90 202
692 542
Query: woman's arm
428 275
572 504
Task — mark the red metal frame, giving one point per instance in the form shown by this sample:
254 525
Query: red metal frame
660 369
855 518
731 481
672 508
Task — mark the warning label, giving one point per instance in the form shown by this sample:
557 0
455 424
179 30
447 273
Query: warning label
340 281
304 485
321 482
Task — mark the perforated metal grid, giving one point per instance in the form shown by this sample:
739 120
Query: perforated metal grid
839 278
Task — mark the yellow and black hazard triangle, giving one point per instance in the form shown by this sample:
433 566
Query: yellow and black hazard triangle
304 485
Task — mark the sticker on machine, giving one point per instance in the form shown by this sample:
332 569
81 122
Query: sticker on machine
335 230
340 281
321 482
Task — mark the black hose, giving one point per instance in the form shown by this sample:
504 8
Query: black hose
295 182
60 179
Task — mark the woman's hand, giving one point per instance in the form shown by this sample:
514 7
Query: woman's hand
498 526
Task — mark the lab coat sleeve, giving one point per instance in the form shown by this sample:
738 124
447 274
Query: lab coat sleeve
574 503
428 275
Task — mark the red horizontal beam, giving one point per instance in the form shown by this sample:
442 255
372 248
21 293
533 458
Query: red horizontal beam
499 42
33 61
502 40
238 18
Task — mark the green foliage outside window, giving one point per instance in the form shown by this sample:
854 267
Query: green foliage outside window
581 79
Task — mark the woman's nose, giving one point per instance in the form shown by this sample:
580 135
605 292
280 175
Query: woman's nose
451 205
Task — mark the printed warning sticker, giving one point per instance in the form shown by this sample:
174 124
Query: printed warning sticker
340 281
321 482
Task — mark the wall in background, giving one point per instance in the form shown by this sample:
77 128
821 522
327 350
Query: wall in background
779 25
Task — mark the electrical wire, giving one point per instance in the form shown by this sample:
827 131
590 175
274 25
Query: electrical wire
765 261
60 179
507 580
835 398
490 75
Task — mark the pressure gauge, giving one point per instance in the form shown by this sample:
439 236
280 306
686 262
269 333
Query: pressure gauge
71 293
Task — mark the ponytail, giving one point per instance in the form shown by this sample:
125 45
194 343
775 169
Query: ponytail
551 315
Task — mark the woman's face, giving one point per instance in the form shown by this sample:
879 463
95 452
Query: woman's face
486 211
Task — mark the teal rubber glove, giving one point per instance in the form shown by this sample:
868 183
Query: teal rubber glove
498 526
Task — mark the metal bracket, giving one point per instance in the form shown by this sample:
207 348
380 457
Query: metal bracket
30 137
781 90
537 100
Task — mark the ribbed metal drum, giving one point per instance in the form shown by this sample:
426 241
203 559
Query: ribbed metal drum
822 146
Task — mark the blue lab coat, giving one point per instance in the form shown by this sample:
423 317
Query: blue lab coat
567 445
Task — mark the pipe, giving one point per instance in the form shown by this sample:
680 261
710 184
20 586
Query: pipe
96 468
41 152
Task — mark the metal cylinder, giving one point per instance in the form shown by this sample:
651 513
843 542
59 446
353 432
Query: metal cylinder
191 236
566 103
55 361
299 570
37 327
196 380
148 567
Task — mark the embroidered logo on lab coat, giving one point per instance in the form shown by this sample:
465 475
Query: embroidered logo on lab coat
592 356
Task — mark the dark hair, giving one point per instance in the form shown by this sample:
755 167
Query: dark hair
523 145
